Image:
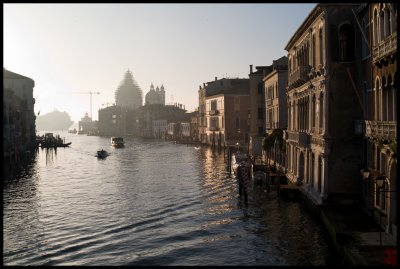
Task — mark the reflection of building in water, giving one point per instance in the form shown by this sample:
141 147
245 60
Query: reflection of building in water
50 153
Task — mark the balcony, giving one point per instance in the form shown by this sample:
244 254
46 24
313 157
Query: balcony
213 128
214 112
299 76
304 139
385 48
300 138
381 129
318 141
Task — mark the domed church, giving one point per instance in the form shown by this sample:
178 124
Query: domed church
155 96
128 94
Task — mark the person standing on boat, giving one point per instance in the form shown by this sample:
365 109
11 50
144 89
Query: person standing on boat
244 178
240 172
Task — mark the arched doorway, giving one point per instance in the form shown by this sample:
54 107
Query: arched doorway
301 167
393 196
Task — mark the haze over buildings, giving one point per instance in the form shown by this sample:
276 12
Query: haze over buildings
72 49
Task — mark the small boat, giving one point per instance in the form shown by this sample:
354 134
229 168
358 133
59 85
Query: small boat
51 141
101 154
117 142
64 144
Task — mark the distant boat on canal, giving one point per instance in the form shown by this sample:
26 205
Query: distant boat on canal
117 142
48 140
101 154
74 131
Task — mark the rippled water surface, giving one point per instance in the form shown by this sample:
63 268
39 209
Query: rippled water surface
149 203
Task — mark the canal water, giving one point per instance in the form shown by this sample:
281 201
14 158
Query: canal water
149 203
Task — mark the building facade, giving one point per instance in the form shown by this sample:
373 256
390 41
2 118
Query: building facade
117 121
22 87
275 84
152 115
378 90
19 127
323 149
257 108
224 111
155 96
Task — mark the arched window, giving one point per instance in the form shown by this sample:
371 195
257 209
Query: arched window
390 92
321 48
312 169
382 25
346 43
384 100
321 112
388 20
314 52
375 29
376 100
313 111
319 173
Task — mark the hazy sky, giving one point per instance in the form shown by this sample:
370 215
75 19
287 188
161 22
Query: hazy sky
71 49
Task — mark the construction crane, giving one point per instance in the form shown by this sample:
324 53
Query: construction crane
90 92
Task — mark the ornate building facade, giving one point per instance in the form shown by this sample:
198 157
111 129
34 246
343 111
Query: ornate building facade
378 90
323 150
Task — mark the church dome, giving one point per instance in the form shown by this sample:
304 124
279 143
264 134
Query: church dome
128 93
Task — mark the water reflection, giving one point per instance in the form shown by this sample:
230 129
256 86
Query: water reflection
50 154
150 203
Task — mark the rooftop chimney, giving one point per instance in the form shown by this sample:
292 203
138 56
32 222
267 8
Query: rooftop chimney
251 69
216 78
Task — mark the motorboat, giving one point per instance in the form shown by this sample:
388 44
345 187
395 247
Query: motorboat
101 154
117 142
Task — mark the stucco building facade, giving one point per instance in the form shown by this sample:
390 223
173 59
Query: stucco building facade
378 90
224 112
323 150
257 108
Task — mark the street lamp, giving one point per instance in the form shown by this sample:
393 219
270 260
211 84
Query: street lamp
365 173
380 181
